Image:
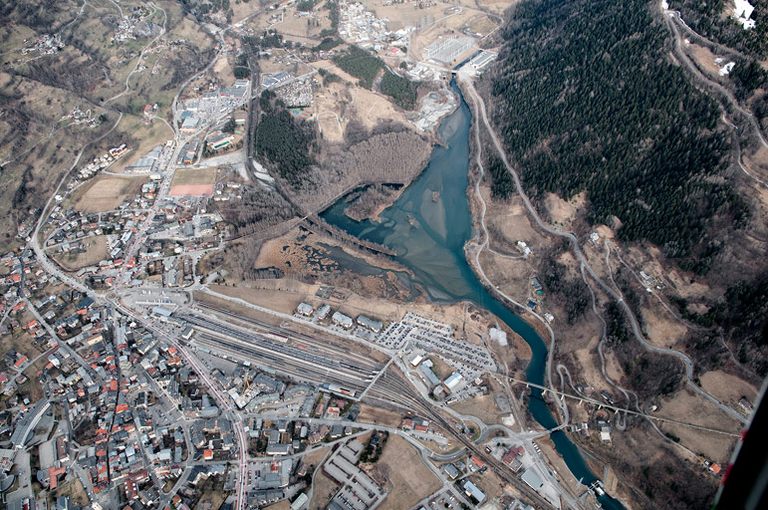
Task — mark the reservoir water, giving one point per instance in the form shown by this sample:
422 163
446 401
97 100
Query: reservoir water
427 227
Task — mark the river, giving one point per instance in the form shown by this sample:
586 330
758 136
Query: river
428 227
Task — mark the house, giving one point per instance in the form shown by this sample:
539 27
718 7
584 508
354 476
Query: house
451 471
305 309
369 323
342 320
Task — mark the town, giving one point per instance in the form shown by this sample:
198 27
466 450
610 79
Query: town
182 327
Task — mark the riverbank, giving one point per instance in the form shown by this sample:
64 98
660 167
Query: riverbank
429 237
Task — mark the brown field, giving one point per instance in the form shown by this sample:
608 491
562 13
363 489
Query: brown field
73 488
296 27
283 299
689 407
370 414
323 490
328 104
589 370
223 71
107 192
497 6
661 328
146 136
193 182
727 387
408 480
96 250
510 220
483 407
315 456
212 499
704 58
339 103
193 190
510 275
481 24
563 212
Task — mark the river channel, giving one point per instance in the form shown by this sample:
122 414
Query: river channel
427 227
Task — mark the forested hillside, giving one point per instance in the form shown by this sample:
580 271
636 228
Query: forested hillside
587 100
366 67
283 143
712 19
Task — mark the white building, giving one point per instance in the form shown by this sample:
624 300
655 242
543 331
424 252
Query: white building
305 309
453 381
342 320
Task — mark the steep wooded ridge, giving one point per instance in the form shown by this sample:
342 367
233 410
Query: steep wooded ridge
587 99
707 19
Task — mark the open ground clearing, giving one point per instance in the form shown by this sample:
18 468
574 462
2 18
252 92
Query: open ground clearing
562 213
508 223
660 327
727 387
74 489
482 407
704 58
406 477
686 406
96 249
339 103
145 137
193 182
107 192
497 6
323 490
370 414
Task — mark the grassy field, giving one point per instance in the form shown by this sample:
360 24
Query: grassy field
194 176
194 182
96 249
211 500
75 490
146 137
484 407
688 406
369 414
323 490
107 192
408 479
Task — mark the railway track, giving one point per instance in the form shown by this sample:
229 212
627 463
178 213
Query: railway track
278 355
394 386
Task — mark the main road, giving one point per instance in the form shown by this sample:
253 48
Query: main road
576 248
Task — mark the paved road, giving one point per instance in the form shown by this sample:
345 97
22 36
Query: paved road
576 248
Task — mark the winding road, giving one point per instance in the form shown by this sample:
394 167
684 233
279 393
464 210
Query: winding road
583 261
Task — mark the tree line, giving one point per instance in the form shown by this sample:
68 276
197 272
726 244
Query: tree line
587 100
283 143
